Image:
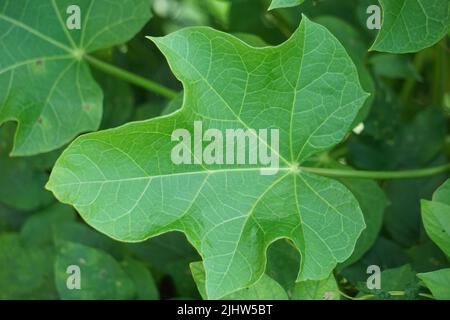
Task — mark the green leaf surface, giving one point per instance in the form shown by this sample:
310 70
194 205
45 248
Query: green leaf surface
412 25
356 47
385 253
264 289
22 180
123 181
326 289
142 278
438 282
436 217
275 4
49 90
394 67
397 279
101 276
373 202
49 219
427 257
76 232
283 260
25 273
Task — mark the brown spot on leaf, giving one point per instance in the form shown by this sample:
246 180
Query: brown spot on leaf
87 106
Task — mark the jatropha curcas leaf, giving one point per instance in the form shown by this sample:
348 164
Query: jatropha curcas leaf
124 183
412 25
46 85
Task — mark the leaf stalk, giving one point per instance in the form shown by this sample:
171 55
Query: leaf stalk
131 77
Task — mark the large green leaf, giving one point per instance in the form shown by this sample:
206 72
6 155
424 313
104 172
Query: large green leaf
46 84
438 282
436 217
412 25
123 182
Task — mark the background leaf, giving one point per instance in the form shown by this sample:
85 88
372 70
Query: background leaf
412 25
64 100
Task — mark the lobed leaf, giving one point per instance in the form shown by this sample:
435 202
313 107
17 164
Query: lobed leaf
123 182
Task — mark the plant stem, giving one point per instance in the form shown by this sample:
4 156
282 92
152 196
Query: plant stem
409 85
131 77
378 175
392 293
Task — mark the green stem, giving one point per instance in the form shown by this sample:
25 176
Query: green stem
409 85
378 175
131 77
392 293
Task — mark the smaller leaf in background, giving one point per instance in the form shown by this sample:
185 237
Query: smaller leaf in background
22 180
284 3
25 273
385 253
326 289
438 282
12 219
283 260
50 90
169 255
264 289
436 217
394 67
102 277
71 231
427 257
38 229
143 281
412 25
398 279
